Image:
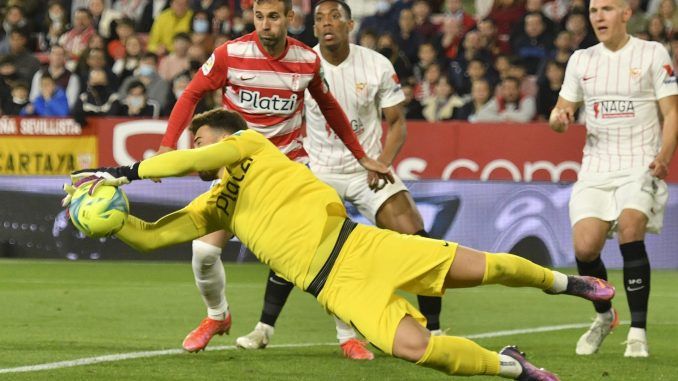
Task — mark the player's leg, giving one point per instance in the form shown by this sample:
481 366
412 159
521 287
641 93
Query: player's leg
277 291
210 279
399 213
588 235
632 226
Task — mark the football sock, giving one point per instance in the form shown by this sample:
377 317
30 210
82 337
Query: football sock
277 291
459 356
344 331
636 281
514 271
430 306
595 268
210 278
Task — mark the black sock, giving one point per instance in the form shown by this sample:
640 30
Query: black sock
277 291
430 306
597 269
636 281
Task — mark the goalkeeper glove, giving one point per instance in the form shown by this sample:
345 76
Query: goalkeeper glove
114 176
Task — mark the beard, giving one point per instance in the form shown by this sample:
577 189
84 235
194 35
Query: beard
208 175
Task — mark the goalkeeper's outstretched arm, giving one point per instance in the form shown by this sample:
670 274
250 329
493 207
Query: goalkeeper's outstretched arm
171 229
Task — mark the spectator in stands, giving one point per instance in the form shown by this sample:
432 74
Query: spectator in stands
476 69
222 20
657 32
442 104
207 6
549 88
563 47
63 77
52 100
406 38
389 49
422 20
177 61
53 25
555 10
14 19
481 92
137 104
381 20
103 18
155 88
93 59
76 39
528 83
124 29
132 9
169 22
532 7
178 86
201 32
488 38
454 10
502 66
509 105
425 88
98 99
17 101
300 30
638 21
450 38
668 13
126 66
505 14
426 56
411 107
8 79
368 39
577 24
152 10
534 43
24 60
471 50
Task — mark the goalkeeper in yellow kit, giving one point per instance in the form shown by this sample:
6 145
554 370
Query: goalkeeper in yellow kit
298 226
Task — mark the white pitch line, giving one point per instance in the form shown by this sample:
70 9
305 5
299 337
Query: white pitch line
167 352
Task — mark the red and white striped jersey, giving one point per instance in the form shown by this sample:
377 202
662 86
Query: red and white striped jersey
620 92
267 91
364 83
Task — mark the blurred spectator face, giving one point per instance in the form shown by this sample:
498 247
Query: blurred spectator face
222 13
578 5
7 70
655 28
608 18
15 17
443 89
57 56
576 23
554 73
331 25
406 21
96 7
563 41
534 25
179 85
17 42
197 53
510 91
517 71
97 78
179 7
181 46
81 20
432 74
476 70
533 6
146 67
421 10
56 11
453 5
451 27
368 40
132 47
95 59
20 94
96 42
47 87
136 97
472 40
502 65
480 91
666 9
486 29
201 23
124 31
426 54
271 22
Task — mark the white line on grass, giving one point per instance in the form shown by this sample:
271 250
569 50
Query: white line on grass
167 352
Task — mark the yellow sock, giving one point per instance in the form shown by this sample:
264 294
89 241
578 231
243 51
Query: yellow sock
459 356
514 271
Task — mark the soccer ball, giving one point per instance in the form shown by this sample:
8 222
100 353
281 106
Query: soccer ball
101 214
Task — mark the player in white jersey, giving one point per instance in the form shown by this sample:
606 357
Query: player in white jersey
365 84
624 84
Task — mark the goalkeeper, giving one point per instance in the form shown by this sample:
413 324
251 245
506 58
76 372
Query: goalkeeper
297 225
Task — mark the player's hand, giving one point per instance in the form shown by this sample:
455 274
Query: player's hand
114 176
378 174
91 178
659 168
561 118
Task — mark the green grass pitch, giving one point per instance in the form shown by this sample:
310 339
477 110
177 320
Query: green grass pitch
54 311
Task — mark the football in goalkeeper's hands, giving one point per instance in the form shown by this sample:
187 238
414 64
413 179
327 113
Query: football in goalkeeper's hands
100 214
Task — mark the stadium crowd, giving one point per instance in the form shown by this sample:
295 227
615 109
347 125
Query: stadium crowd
501 60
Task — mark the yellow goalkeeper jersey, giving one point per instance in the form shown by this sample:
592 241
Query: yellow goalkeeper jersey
275 206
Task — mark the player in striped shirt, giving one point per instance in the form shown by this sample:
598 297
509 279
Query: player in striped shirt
263 76
365 84
623 83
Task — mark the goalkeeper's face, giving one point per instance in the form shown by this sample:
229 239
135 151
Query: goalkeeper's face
205 136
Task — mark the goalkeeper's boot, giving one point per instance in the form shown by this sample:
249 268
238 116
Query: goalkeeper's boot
590 342
530 372
257 339
355 349
198 338
590 288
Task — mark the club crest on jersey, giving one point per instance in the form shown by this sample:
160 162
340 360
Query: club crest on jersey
670 74
295 82
634 72
207 66
254 101
614 109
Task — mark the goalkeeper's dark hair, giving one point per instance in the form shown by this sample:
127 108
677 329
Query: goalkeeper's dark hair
219 118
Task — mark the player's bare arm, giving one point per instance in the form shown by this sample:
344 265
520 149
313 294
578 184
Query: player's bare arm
562 115
396 133
669 109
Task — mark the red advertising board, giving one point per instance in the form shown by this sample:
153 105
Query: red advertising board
451 150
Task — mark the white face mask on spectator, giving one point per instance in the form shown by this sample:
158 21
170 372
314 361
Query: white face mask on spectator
135 101
146 70
201 26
